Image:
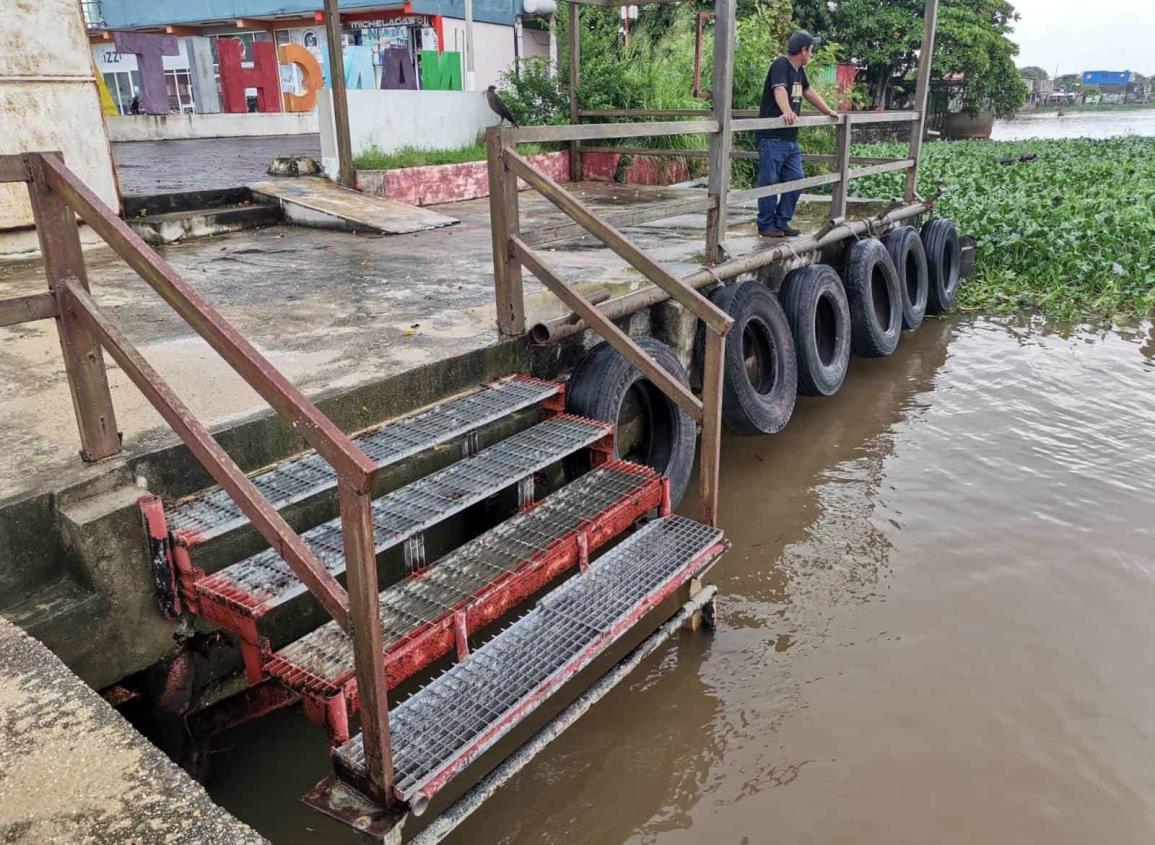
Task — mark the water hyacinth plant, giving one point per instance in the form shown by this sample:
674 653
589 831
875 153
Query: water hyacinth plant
1069 234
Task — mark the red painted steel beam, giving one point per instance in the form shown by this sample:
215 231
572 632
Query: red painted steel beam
265 518
320 432
572 667
430 642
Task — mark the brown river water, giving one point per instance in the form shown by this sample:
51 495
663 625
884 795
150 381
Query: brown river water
937 625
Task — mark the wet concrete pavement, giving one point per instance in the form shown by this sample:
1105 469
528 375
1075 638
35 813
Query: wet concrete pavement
331 310
200 164
934 626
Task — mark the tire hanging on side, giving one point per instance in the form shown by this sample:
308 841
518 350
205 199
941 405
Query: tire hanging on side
874 298
906 251
657 433
760 371
943 258
816 307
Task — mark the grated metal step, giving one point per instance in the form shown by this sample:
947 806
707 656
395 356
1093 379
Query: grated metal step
445 726
250 588
214 513
481 580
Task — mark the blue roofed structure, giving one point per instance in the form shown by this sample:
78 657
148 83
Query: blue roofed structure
1108 77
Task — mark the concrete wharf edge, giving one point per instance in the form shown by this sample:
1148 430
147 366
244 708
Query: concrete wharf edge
73 770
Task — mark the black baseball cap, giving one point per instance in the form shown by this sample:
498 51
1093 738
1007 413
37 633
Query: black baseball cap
799 41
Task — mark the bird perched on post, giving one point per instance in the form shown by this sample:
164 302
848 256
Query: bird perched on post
499 108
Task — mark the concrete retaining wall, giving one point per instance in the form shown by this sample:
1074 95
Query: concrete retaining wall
440 183
75 771
448 182
634 170
169 127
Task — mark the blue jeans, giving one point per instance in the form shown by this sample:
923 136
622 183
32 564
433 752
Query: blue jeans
778 161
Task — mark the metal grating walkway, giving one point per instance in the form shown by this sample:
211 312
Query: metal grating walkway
443 727
263 581
609 498
215 513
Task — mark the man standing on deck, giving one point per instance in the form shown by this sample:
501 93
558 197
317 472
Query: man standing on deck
779 156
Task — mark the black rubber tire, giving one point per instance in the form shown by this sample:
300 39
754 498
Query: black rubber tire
599 387
874 298
815 305
905 248
759 346
943 260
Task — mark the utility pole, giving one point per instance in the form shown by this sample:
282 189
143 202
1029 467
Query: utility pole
345 174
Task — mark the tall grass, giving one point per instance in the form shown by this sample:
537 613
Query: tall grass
375 159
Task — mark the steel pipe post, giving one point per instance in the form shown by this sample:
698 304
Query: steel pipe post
722 140
710 461
575 69
921 92
368 643
504 221
842 165
83 361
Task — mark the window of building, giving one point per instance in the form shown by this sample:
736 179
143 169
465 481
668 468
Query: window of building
123 85
179 84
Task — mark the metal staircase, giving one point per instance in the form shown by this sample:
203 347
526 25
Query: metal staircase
446 607
311 539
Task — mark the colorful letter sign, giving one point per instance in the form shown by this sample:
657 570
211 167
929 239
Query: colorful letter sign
312 78
359 68
397 70
264 75
441 72
150 51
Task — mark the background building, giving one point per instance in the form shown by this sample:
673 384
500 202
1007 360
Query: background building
503 34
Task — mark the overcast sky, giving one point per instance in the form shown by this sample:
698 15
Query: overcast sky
1080 35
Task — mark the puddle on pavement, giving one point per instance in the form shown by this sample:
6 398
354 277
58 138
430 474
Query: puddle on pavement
934 626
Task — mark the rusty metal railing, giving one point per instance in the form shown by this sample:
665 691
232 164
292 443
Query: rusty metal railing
58 196
513 249
511 252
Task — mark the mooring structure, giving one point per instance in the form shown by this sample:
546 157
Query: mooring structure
328 526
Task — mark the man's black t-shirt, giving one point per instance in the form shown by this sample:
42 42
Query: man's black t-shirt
794 80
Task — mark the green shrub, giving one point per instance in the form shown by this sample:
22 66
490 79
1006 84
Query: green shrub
533 94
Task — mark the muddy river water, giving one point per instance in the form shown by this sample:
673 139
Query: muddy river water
936 626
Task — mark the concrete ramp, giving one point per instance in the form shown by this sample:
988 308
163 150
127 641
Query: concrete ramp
321 204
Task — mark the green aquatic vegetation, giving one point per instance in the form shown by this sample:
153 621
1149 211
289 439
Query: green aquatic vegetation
1070 234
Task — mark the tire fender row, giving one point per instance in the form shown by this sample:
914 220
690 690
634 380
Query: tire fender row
797 340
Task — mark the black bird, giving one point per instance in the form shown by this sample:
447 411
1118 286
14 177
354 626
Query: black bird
499 108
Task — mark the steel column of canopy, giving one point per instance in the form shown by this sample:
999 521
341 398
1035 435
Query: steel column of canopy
922 90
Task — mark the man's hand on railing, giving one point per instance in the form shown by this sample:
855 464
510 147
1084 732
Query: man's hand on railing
790 117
